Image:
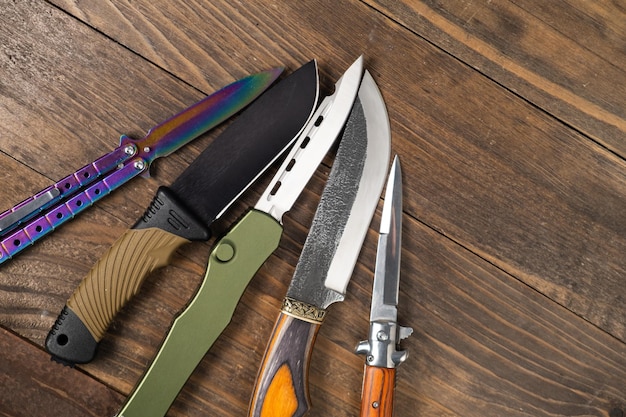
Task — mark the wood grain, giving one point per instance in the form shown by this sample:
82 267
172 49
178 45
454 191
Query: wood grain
477 166
281 389
514 232
379 385
33 386
563 56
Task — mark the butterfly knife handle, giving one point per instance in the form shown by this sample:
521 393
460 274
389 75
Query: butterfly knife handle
64 188
118 275
53 217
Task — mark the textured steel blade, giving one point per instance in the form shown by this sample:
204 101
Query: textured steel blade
347 203
249 145
314 142
387 273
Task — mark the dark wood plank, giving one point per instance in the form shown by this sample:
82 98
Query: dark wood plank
507 210
34 386
566 56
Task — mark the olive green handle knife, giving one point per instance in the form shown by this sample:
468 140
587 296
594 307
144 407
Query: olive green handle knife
238 255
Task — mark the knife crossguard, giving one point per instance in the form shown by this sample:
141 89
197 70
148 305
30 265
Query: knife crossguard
381 348
303 311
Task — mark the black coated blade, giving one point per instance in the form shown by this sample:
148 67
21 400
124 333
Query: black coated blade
248 146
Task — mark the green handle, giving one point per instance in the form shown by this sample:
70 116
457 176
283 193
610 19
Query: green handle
235 259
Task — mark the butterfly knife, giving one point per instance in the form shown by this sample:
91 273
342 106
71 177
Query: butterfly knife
237 256
184 211
328 257
380 350
39 215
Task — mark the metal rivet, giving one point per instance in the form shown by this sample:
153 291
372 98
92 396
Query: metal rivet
139 165
147 149
375 404
129 150
382 336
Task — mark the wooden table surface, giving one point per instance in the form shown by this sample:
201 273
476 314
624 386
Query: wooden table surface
510 121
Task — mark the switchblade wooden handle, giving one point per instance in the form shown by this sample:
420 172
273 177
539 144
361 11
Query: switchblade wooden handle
281 388
378 389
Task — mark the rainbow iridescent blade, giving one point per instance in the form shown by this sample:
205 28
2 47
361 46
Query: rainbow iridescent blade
160 141
192 122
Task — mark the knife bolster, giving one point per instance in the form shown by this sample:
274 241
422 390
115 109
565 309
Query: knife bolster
167 213
303 311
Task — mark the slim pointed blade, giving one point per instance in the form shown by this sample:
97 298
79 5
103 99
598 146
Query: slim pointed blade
248 146
387 274
347 203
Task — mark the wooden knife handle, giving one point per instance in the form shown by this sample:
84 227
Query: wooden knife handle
281 388
378 389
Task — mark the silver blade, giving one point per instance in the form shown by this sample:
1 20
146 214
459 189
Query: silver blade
312 144
387 274
347 203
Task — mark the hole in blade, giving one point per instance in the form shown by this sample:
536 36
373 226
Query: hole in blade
275 189
305 142
319 121
290 165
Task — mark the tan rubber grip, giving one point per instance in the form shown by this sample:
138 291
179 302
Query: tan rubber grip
117 276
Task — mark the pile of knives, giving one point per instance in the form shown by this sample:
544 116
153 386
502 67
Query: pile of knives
280 118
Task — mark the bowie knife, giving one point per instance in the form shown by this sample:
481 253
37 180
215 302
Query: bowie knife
39 215
380 350
237 256
184 211
328 257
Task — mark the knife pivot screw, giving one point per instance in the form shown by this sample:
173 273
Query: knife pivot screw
129 150
139 165
382 336
370 358
224 252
